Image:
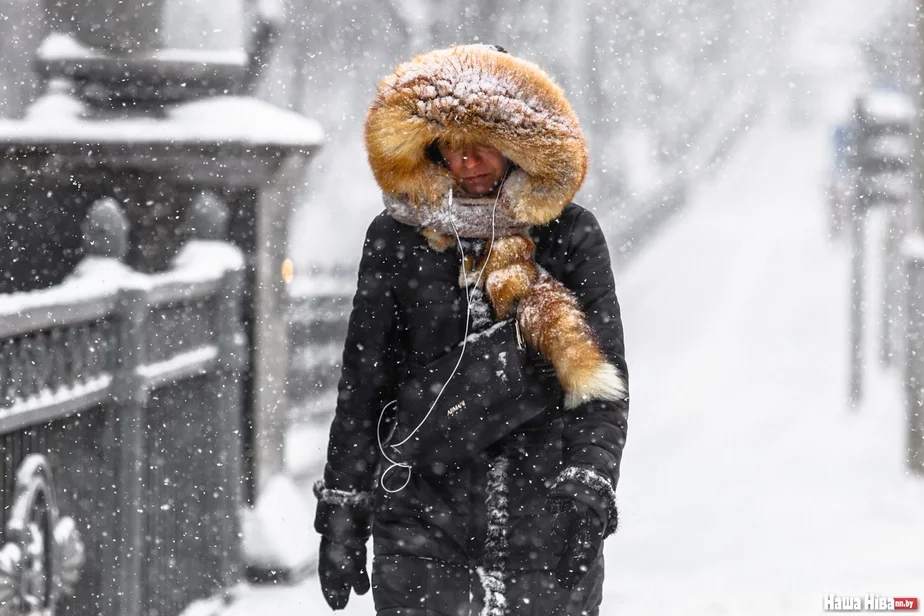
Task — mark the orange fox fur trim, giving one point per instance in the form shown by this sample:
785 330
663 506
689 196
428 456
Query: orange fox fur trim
551 320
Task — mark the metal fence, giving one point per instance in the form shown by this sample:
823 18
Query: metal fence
120 419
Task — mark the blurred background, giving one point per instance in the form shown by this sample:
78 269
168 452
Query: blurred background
754 165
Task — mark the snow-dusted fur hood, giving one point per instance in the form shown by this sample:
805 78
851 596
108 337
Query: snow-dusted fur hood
476 94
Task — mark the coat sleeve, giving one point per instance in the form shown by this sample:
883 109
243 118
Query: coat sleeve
367 383
594 432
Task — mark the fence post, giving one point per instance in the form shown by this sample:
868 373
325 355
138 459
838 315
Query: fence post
105 235
912 250
130 397
858 215
207 219
857 301
894 283
233 357
913 253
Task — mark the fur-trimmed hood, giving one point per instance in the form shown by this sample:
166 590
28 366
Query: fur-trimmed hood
476 94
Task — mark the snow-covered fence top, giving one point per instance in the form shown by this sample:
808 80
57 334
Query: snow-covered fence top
60 348
129 385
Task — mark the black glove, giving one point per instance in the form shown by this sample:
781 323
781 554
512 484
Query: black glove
584 529
344 520
342 567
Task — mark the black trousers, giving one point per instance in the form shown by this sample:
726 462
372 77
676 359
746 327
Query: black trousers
408 586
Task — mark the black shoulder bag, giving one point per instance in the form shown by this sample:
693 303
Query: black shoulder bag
492 391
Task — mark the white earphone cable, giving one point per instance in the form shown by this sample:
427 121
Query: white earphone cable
468 318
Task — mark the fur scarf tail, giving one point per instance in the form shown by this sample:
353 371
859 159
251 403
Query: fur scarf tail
551 319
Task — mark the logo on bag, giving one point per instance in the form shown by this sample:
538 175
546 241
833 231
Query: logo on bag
455 408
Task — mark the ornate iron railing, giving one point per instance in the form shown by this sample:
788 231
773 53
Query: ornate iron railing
120 416
43 554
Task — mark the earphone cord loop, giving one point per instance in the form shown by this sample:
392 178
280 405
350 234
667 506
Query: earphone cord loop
393 463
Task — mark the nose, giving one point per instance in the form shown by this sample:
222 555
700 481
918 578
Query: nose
470 158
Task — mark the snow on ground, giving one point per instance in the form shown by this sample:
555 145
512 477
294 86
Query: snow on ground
749 484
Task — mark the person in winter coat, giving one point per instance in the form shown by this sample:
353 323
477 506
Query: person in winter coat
478 154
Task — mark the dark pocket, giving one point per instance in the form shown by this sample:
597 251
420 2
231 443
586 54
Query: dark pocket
408 586
399 583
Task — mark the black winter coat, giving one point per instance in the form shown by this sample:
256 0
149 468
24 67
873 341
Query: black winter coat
408 310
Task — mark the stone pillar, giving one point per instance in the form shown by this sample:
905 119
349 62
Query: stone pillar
142 107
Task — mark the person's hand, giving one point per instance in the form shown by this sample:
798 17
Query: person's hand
341 568
583 530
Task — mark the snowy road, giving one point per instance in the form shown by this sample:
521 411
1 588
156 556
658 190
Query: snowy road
749 485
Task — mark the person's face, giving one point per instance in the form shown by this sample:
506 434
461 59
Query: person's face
477 168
